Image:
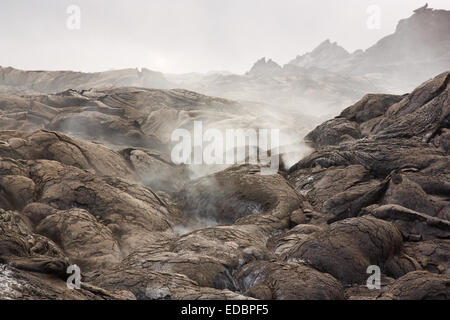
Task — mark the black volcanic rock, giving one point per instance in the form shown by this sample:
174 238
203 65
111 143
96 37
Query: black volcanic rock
370 107
242 195
396 162
284 281
420 285
347 248
333 132
396 171
374 192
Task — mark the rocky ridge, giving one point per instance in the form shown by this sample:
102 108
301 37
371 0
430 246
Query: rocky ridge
329 78
318 83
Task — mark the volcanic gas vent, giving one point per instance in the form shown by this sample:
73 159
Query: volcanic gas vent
235 193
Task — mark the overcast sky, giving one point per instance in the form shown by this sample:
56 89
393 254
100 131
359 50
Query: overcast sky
180 36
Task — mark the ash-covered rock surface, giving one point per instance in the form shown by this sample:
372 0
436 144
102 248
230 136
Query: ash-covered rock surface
86 179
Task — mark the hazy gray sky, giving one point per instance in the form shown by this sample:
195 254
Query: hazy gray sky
185 35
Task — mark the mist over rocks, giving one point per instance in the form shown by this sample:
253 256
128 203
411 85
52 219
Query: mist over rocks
138 124
317 84
325 56
87 178
396 169
264 67
419 49
373 192
329 78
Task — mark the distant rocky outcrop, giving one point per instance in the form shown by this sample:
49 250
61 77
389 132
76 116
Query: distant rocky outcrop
321 82
329 78
417 50
325 56
265 67
36 82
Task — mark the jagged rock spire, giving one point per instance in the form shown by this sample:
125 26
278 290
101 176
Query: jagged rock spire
422 9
